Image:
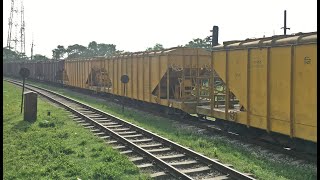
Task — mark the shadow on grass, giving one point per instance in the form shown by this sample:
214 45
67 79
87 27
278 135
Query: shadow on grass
22 126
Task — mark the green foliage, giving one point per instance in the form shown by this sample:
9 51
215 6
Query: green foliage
10 55
156 47
106 49
55 147
200 43
76 50
58 52
93 49
39 57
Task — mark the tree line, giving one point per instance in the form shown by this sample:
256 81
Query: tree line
93 49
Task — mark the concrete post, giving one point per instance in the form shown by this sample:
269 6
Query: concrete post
30 106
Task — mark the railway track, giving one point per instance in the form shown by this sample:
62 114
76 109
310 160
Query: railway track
277 149
213 128
161 157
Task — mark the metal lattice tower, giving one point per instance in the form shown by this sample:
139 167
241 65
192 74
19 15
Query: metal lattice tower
16 31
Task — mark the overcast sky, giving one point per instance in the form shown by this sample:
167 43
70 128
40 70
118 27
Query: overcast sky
134 25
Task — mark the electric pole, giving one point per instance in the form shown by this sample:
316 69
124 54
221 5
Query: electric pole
32 48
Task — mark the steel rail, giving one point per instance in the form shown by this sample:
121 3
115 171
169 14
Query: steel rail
232 173
161 163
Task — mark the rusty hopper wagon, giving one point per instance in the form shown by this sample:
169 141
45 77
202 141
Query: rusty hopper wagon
165 77
274 80
49 71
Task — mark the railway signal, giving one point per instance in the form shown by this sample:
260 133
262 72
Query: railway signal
215 35
124 80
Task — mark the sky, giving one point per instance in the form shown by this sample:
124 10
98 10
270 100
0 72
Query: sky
135 25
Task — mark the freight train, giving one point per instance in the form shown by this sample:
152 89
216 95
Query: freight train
267 83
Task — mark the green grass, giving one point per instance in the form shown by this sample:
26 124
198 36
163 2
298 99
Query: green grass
55 147
244 160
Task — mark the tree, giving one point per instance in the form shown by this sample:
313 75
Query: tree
22 56
39 57
199 43
93 48
10 55
156 47
106 49
76 50
59 52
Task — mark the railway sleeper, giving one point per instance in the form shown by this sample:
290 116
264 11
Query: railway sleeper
141 140
223 177
161 150
95 116
82 109
172 157
126 152
196 170
73 116
121 129
77 119
114 126
100 134
147 146
127 132
89 127
119 147
86 124
136 159
104 137
108 123
88 113
159 175
182 164
145 165
132 136
81 121
103 119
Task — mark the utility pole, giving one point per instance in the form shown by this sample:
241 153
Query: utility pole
16 30
285 23
32 48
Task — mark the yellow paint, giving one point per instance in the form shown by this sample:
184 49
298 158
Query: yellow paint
303 100
237 64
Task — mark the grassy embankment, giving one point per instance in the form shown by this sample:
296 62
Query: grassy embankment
55 147
243 159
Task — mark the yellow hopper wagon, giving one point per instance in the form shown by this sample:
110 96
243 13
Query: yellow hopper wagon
274 80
